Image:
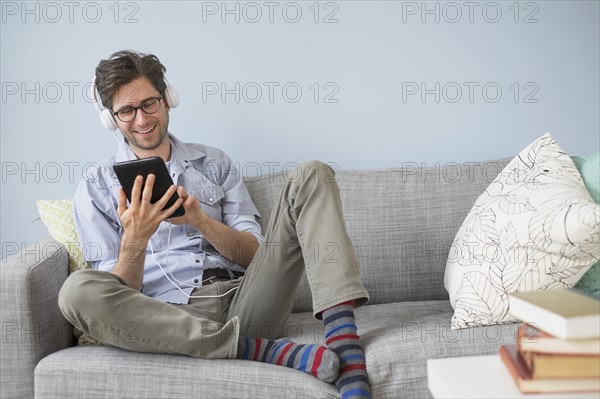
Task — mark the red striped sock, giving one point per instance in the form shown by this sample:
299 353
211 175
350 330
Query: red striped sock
311 358
341 337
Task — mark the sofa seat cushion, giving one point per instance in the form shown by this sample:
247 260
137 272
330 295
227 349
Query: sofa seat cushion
102 372
398 339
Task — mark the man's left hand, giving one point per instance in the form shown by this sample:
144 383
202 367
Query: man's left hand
194 215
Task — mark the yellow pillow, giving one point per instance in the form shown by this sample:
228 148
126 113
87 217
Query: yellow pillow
57 216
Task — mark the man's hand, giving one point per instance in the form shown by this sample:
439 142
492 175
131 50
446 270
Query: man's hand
194 215
140 221
237 246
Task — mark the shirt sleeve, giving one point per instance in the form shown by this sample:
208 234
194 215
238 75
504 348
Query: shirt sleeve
96 222
247 223
237 199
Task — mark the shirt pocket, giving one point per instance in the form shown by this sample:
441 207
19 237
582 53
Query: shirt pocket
210 197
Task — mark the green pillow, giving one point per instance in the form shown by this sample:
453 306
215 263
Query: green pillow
589 167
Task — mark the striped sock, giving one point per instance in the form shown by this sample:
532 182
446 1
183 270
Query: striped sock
312 358
341 337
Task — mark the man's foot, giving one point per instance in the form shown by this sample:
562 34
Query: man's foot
312 358
341 337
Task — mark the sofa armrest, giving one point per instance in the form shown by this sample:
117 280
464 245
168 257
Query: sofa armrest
32 324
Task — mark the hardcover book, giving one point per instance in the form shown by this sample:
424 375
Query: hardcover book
556 365
524 380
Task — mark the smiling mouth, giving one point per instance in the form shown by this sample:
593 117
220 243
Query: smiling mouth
144 132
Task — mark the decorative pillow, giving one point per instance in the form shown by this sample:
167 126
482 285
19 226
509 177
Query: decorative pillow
535 227
58 218
590 282
589 167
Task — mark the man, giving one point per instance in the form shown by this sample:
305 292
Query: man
175 285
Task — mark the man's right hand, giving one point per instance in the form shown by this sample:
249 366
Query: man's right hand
140 220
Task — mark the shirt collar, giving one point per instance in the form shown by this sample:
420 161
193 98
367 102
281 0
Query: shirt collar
181 154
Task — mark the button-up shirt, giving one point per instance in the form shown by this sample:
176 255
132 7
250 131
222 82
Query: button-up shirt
206 173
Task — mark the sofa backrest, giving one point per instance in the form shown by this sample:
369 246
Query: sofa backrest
402 222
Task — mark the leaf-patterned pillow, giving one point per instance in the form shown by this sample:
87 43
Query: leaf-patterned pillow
535 227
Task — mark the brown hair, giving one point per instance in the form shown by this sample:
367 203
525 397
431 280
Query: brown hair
122 68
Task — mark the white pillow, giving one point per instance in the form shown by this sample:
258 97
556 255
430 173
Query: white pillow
535 227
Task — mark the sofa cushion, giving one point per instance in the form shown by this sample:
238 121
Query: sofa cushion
398 339
401 221
102 372
535 227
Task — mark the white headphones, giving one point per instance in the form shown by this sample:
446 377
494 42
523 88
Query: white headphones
170 95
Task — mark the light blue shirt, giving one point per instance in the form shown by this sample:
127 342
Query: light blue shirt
205 172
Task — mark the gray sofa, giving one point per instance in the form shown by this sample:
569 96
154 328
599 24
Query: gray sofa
402 222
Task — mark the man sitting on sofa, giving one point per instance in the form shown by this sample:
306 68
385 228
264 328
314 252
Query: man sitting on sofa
167 284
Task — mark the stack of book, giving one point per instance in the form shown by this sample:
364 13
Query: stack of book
558 342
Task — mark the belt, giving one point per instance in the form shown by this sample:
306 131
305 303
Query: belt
209 276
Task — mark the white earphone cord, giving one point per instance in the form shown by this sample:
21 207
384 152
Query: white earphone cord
172 282
120 146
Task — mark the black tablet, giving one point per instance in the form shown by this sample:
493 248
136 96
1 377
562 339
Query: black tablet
127 172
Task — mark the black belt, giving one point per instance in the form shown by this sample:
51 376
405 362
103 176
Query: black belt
211 275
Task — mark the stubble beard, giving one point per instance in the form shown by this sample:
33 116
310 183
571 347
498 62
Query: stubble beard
161 137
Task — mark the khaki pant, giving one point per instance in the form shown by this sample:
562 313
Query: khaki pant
306 232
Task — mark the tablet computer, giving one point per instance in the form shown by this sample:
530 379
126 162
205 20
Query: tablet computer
127 172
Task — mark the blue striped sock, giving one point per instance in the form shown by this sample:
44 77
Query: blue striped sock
341 337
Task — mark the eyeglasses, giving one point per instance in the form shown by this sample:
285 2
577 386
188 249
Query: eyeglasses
149 106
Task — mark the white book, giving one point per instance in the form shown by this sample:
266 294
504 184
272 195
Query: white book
566 314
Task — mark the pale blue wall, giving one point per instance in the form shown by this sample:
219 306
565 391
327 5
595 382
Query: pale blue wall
366 59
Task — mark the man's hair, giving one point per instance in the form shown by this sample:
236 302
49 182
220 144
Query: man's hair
122 68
